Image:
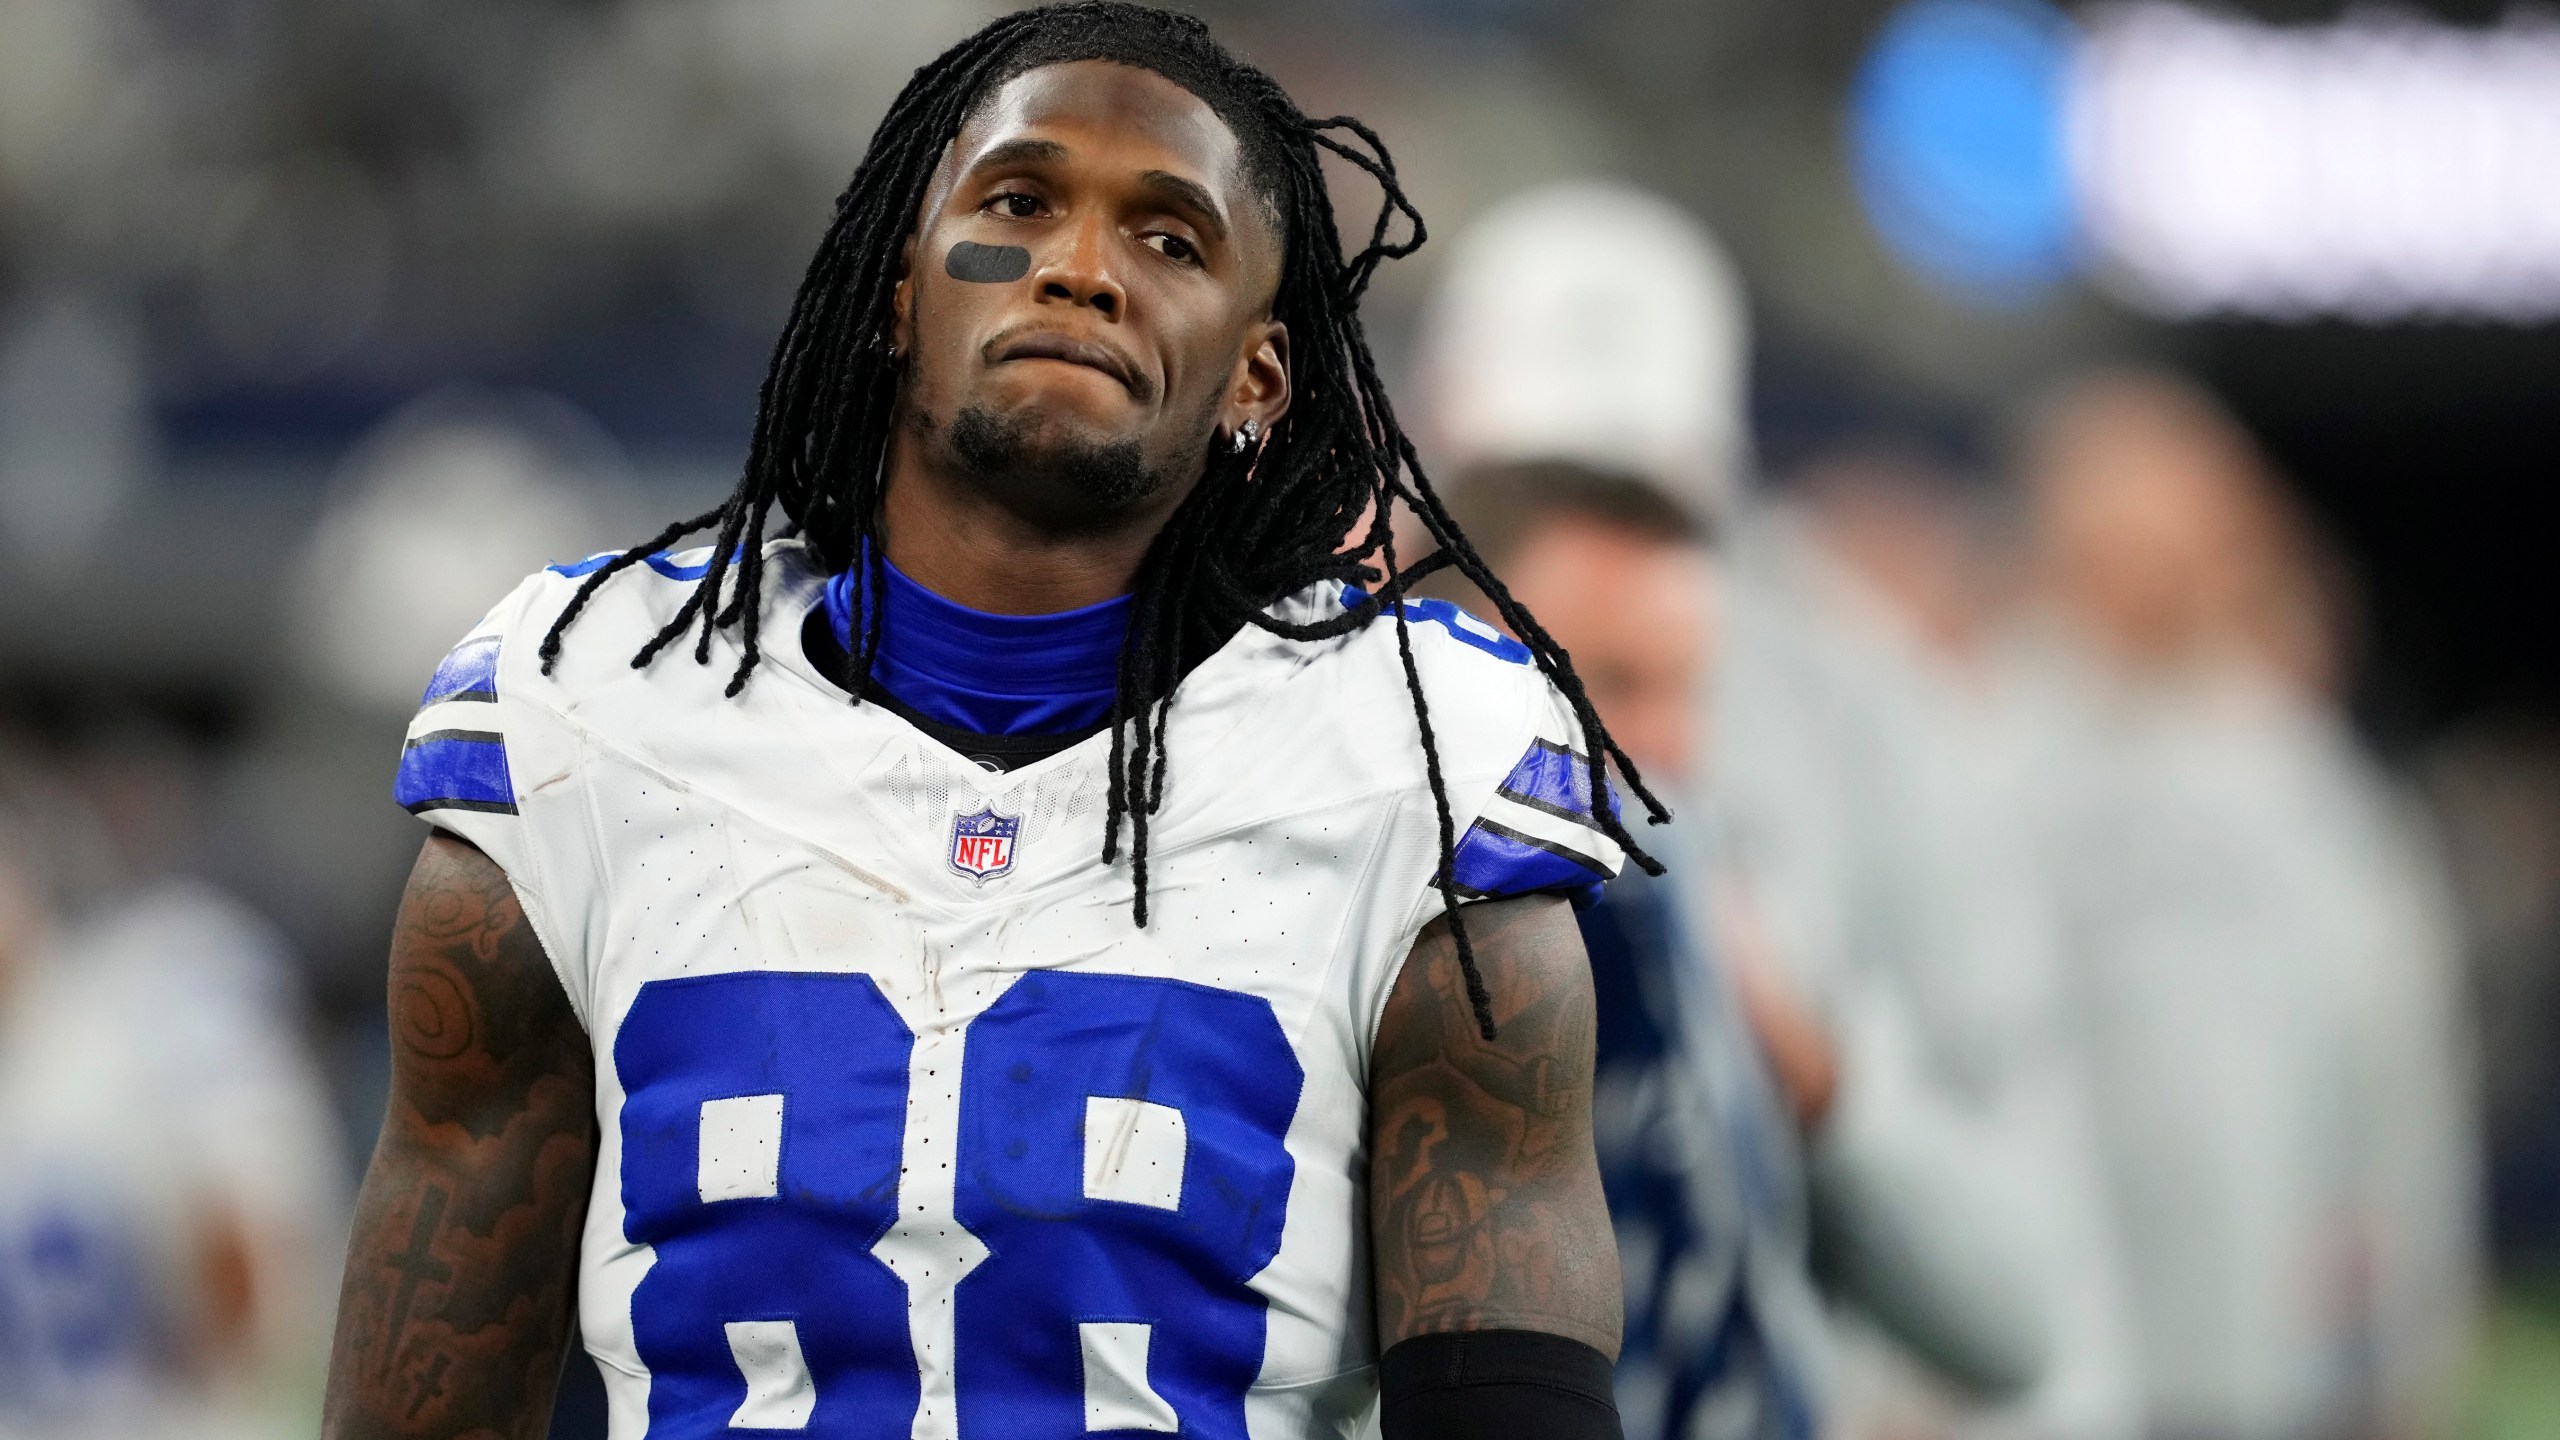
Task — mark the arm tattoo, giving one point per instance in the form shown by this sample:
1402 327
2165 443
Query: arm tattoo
461 1270
1485 1208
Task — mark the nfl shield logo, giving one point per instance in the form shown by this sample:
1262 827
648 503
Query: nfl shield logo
982 844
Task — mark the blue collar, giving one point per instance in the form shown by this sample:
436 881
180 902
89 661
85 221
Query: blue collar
989 674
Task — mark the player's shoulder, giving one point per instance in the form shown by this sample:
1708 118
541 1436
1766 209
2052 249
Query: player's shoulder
611 623
454 759
1484 693
1511 750
487 702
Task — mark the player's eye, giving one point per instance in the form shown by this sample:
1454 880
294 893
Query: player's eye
1015 204
1173 247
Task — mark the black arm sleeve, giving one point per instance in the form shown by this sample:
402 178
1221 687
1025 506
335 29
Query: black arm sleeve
1496 1385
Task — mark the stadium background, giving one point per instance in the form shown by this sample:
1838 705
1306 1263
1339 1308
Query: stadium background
318 322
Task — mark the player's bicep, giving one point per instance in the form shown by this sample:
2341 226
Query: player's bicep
481 1032
461 1264
1485 1206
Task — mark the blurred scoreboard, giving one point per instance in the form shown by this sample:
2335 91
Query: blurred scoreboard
2377 167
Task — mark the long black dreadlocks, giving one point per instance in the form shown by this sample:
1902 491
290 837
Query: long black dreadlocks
1259 526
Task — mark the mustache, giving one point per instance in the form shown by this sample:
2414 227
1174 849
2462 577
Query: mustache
1037 342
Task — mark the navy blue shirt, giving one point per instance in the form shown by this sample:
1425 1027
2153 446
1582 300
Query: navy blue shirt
1699 1164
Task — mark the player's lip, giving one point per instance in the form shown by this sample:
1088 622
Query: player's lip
1092 354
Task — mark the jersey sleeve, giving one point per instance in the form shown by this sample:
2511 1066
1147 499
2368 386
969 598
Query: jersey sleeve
1537 833
484 759
469 741
453 767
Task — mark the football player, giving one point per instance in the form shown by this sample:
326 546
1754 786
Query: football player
1056 963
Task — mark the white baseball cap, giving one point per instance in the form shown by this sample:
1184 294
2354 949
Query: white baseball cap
1596 322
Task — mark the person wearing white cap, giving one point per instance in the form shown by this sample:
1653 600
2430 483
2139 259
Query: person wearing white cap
1596 324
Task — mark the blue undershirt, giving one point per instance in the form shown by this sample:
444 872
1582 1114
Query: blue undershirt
989 674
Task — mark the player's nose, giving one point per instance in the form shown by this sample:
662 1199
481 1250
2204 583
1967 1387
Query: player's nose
1077 270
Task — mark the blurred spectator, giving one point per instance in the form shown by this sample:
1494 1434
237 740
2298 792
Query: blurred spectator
170 1181
1624 571
1724 1334
2262 951
1949 1199
1870 769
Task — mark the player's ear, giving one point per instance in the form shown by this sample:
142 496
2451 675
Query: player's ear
902 301
1259 390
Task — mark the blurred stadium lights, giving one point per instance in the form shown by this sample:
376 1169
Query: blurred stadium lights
1958 151
2377 167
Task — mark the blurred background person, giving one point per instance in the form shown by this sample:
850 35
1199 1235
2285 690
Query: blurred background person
1724 1333
170 1174
1860 769
1954 1190
2260 936
1595 410
1882 607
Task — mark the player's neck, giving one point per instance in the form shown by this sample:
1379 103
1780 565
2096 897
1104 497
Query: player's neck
966 545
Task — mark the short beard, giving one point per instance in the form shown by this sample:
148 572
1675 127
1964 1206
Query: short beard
1083 480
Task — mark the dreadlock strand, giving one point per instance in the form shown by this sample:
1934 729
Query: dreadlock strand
670 632
1445 880
750 589
874 617
745 561
1123 722
1356 275
1115 802
724 546
1599 745
550 651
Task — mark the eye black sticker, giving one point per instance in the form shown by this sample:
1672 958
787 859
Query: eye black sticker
986 264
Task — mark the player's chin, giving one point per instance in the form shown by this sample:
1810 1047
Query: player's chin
1072 417
1064 466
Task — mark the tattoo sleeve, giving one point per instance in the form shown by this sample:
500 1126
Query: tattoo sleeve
462 1264
1485 1208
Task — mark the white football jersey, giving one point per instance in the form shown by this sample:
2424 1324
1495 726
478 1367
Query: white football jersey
906 1128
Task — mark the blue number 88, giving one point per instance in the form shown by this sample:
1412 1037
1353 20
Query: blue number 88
1121 1155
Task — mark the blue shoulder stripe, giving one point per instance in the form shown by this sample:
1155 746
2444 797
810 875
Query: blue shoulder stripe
1494 861
455 770
1554 779
659 562
1467 629
469 672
